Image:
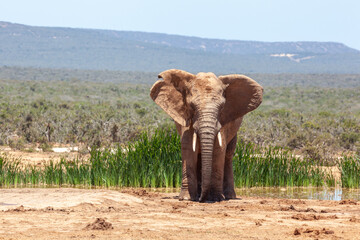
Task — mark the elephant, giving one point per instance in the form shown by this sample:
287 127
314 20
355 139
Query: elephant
208 111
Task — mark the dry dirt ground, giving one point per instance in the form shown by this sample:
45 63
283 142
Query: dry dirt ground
66 213
38 157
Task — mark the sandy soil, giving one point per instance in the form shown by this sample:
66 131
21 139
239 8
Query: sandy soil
65 213
39 158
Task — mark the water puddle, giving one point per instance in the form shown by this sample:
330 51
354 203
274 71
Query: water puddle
7 204
336 194
320 193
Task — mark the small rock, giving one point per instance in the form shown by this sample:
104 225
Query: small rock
328 231
297 232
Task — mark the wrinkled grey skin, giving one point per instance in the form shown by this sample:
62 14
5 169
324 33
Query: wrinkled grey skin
208 111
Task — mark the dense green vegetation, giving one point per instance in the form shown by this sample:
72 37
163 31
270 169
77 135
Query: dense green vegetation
106 76
316 121
268 167
316 116
350 169
155 161
76 112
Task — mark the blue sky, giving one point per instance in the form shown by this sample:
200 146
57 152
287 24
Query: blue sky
260 20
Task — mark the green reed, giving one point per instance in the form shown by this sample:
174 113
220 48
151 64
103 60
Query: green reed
271 167
155 161
350 171
151 161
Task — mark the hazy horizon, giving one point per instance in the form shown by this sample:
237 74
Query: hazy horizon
258 20
173 34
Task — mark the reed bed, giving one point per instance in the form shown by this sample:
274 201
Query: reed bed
151 161
350 171
155 161
275 167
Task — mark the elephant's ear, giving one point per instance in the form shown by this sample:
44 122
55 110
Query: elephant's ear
169 94
242 96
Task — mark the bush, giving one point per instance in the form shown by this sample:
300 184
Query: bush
79 112
349 139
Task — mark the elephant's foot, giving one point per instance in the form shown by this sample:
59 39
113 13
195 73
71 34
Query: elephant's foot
204 196
216 197
230 194
184 194
213 197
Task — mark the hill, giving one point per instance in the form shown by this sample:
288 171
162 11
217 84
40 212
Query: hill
53 47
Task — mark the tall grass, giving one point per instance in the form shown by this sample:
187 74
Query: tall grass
155 161
350 172
269 167
152 161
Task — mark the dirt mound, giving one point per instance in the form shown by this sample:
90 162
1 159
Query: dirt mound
292 201
18 209
99 224
60 198
354 220
310 217
140 192
306 217
313 232
348 202
292 208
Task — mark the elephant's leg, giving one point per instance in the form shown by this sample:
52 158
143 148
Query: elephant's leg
192 176
198 172
184 192
189 186
217 175
229 190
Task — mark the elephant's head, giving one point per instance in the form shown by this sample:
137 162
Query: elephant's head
206 103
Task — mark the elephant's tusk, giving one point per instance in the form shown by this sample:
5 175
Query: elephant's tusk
194 141
219 138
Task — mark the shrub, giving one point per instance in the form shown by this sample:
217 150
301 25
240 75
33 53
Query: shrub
349 139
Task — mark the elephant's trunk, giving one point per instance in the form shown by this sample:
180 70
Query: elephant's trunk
207 132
